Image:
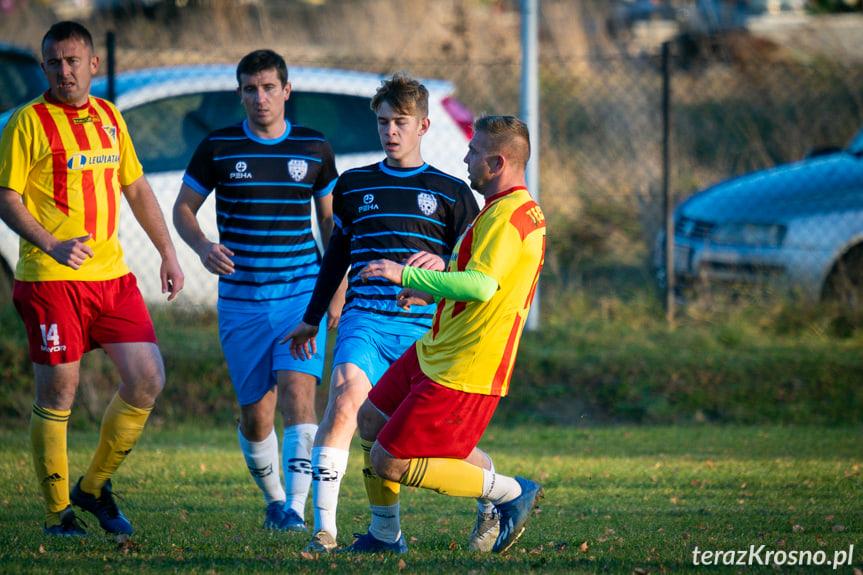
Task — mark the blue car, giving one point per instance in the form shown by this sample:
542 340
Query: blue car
21 77
795 229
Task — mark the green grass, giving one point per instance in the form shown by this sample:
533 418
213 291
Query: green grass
618 500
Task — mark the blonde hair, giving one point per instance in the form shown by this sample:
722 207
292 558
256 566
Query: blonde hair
405 94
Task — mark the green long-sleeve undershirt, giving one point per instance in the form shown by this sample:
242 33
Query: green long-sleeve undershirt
468 285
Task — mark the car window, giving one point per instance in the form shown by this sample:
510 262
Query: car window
166 132
347 121
21 79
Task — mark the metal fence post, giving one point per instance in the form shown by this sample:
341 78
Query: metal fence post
111 44
530 115
667 208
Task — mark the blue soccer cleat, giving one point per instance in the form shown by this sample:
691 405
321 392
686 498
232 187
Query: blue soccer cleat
103 507
514 514
70 525
283 518
368 543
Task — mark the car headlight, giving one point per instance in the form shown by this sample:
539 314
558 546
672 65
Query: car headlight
750 235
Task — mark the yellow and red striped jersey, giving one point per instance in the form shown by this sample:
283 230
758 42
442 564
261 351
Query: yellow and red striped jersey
472 345
70 165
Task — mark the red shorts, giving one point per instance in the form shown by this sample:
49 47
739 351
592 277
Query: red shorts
65 319
427 419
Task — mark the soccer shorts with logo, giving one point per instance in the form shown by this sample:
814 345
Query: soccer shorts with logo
66 319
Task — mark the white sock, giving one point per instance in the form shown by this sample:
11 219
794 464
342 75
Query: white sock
297 464
262 459
385 524
499 488
485 505
328 468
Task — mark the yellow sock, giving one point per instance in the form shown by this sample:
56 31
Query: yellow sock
380 491
48 446
122 426
447 476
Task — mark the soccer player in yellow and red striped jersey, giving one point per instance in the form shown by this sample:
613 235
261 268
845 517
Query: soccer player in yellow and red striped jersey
429 410
65 159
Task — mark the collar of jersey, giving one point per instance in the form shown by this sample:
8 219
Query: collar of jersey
265 141
504 193
49 98
401 173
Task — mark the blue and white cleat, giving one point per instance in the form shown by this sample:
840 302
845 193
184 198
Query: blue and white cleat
485 531
368 543
103 507
70 525
283 518
514 514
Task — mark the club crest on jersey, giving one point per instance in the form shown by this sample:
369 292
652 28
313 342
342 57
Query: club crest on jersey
298 169
240 172
368 204
112 133
427 203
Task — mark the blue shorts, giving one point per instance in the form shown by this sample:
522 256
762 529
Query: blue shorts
250 342
365 342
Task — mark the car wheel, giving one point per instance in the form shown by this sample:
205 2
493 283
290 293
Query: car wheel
844 284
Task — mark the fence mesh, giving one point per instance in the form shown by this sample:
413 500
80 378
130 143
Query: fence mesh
736 107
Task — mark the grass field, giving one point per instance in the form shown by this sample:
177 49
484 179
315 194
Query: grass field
621 499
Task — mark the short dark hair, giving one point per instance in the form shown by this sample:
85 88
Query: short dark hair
506 134
64 31
405 94
261 60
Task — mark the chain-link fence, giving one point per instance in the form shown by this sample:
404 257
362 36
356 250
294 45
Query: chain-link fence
732 110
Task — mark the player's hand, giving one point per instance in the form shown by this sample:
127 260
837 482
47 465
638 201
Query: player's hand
386 269
408 297
217 259
172 276
72 252
426 261
302 338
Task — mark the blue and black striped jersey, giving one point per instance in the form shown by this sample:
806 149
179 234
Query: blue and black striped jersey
390 214
264 192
